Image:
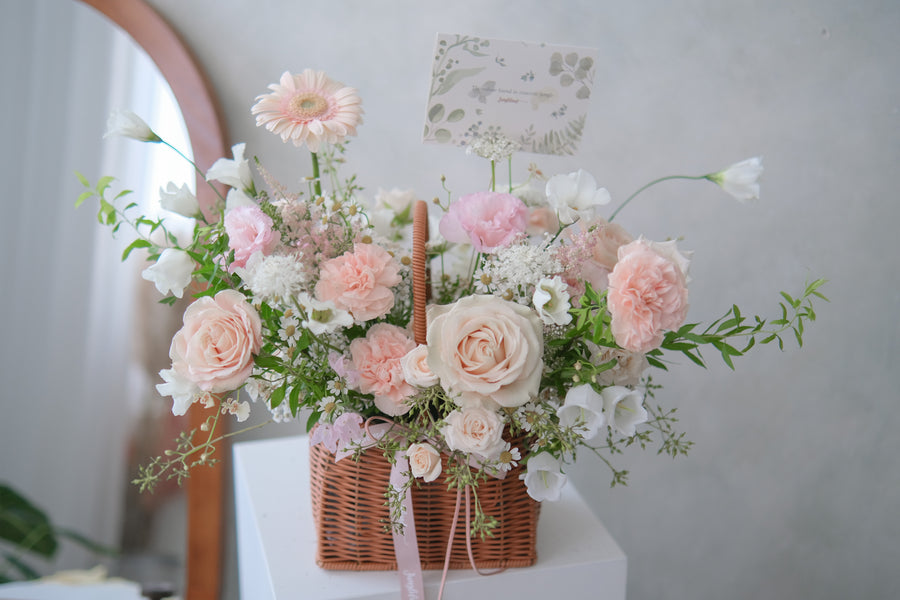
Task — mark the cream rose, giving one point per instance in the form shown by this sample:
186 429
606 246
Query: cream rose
424 461
415 368
215 348
483 349
475 430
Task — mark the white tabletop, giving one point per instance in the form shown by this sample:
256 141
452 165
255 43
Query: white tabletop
577 558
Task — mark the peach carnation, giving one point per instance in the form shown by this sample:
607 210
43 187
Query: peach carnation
360 282
309 108
647 295
377 360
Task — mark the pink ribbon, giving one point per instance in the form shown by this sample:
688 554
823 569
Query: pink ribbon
406 546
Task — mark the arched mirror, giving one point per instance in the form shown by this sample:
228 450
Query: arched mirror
70 421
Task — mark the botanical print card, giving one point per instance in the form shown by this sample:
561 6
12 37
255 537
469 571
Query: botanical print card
534 94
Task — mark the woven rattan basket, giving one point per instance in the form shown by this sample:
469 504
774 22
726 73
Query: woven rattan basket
348 497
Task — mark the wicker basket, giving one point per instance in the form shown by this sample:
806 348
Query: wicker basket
350 514
348 497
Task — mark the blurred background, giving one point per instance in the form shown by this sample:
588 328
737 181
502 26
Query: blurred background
792 488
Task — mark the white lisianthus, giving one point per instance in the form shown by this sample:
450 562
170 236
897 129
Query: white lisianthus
179 200
183 391
575 196
582 411
322 316
741 180
172 271
236 198
624 409
544 480
399 201
234 173
551 301
128 124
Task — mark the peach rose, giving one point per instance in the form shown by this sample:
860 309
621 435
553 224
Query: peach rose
415 368
475 430
486 349
424 461
647 295
215 347
360 282
376 358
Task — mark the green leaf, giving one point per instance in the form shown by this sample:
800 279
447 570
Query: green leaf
294 400
84 181
24 525
269 362
86 543
436 113
312 420
24 569
83 196
277 397
138 243
104 183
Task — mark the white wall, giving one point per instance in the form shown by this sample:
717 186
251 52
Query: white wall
793 488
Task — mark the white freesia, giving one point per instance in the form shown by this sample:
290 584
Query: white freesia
741 179
128 124
172 271
179 200
575 196
235 173
551 301
582 411
544 479
183 391
624 409
323 316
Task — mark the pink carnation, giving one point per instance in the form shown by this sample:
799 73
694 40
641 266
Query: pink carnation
647 296
360 281
249 231
487 220
377 358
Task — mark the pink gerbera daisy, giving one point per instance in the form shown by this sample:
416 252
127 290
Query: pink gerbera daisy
309 109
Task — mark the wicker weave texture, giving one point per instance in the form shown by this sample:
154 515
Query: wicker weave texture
349 512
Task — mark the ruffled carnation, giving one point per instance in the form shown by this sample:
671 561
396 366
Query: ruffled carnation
360 282
647 296
377 358
249 231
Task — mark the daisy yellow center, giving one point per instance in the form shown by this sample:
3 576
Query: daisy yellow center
506 457
308 105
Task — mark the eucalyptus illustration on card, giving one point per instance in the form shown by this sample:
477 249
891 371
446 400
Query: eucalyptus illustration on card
536 95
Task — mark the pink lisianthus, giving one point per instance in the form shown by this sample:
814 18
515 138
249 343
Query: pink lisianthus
377 359
249 231
215 348
487 220
360 282
647 295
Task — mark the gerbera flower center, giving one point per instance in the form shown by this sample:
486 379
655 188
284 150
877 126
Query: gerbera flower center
307 106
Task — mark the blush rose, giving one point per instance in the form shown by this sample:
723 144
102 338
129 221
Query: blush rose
486 349
647 295
475 430
376 359
360 281
215 347
487 220
424 461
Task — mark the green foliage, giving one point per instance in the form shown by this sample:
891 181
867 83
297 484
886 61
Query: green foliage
28 530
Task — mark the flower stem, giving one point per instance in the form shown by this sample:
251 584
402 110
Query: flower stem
315 173
493 176
651 184
197 169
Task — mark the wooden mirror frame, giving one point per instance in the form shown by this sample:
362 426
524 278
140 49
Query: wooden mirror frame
200 111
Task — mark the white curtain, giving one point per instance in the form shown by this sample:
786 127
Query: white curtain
70 390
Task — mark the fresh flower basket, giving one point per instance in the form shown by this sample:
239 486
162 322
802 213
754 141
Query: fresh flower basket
432 370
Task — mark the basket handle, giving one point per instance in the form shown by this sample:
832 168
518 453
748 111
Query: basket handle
421 291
